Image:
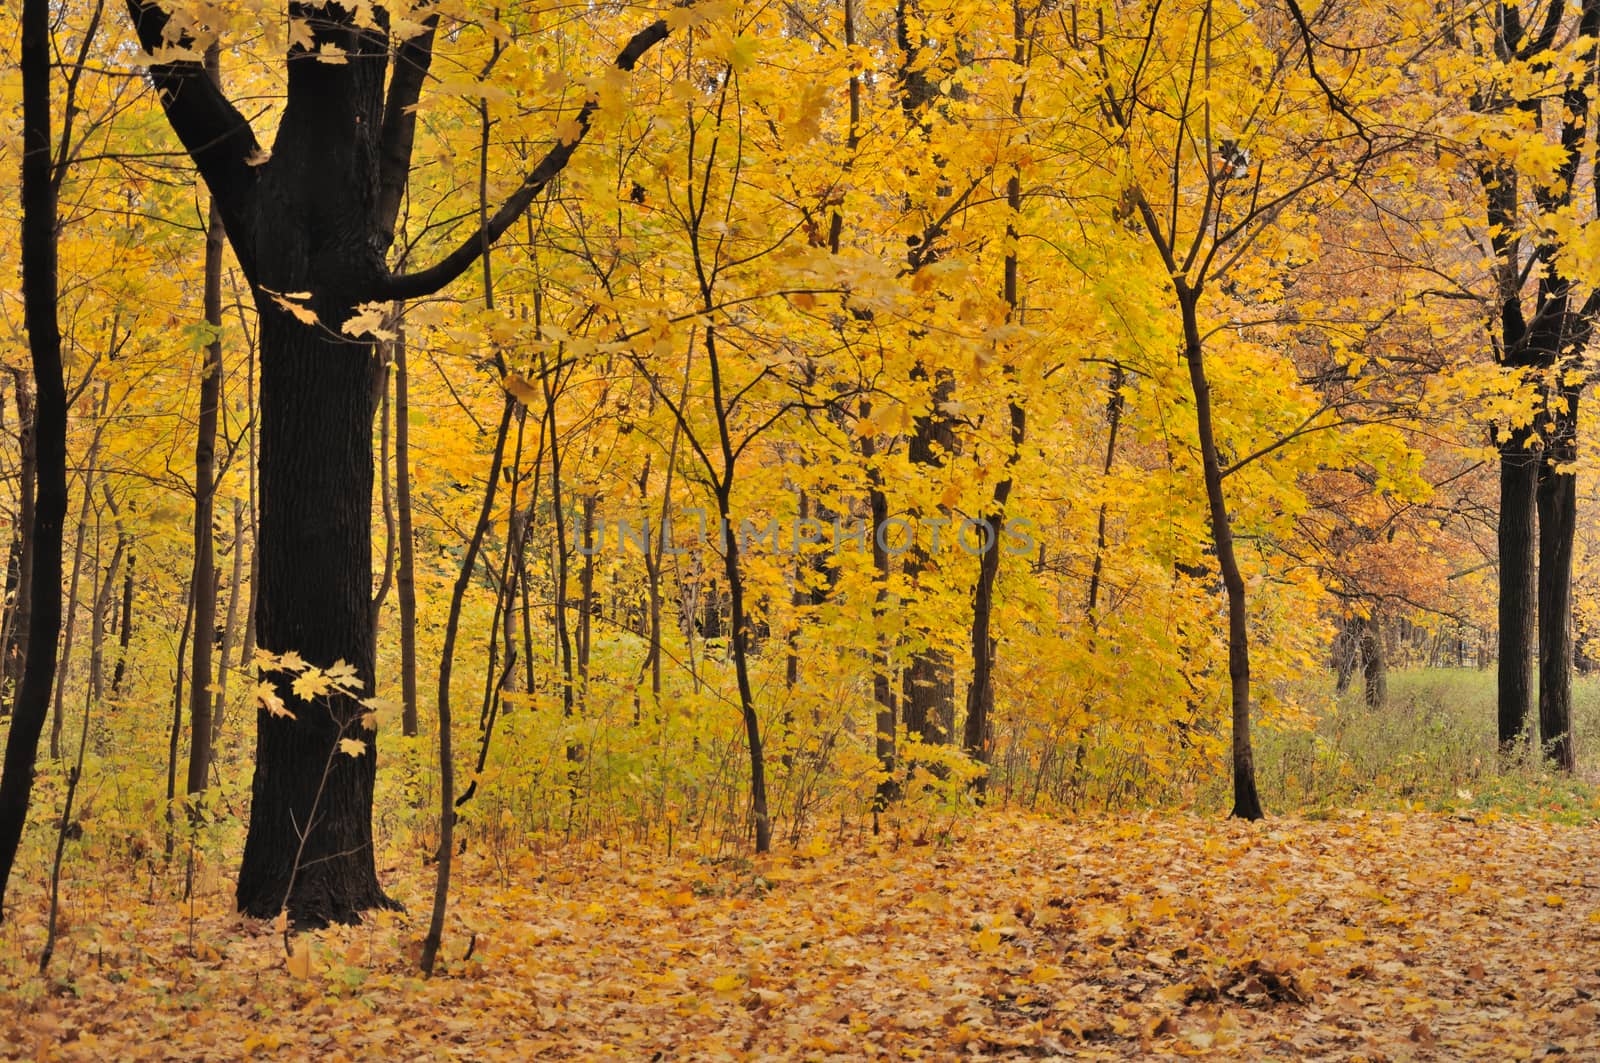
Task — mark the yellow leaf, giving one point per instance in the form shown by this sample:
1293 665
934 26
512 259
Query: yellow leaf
352 746
299 961
267 697
521 388
287 301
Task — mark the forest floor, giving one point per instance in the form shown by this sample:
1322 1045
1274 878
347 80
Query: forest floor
1363 935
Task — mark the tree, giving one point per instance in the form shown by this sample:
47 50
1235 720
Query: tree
310 223
42 168
1536 84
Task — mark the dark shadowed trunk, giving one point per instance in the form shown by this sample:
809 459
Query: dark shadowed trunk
205 494
1558 519
1246 803
1517 539
405 573
50 433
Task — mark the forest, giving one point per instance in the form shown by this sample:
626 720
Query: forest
799 529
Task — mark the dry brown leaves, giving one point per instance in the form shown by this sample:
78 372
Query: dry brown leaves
1369 936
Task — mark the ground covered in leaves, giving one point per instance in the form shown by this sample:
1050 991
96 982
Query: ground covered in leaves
1363 936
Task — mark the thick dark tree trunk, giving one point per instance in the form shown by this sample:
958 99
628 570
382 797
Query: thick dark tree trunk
315 557
1558 519
1517 542
39 295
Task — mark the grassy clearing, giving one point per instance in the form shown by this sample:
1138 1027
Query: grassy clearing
1432 746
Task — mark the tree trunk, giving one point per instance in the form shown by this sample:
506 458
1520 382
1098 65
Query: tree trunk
1246 803
1374 668
85 508
315 556
102 607
230 628
406 573
1517 542
124 624
39 293
205 493
1558 519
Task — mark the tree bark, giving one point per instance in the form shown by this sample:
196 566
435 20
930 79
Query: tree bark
205 493
315 556
39 293
1517 540
1558 519
1374 667
406 572
1246 802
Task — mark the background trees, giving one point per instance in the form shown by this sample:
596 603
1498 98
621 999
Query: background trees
1121 368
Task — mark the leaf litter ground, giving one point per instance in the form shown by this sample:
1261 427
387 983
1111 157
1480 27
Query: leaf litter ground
1372 936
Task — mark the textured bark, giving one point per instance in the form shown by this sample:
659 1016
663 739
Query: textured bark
39 294
1558 519
1517 541
1374 666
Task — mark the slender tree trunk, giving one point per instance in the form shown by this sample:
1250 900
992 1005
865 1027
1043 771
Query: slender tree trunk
563 635
230 630
406 573
102 610
85 508
124 624
175 732
741 669
586 593
1114 405
205 493
977 737
1246 803
39 293
386 492
447 817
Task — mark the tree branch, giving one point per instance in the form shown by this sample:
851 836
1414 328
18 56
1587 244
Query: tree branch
435 277
212 130
411 61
